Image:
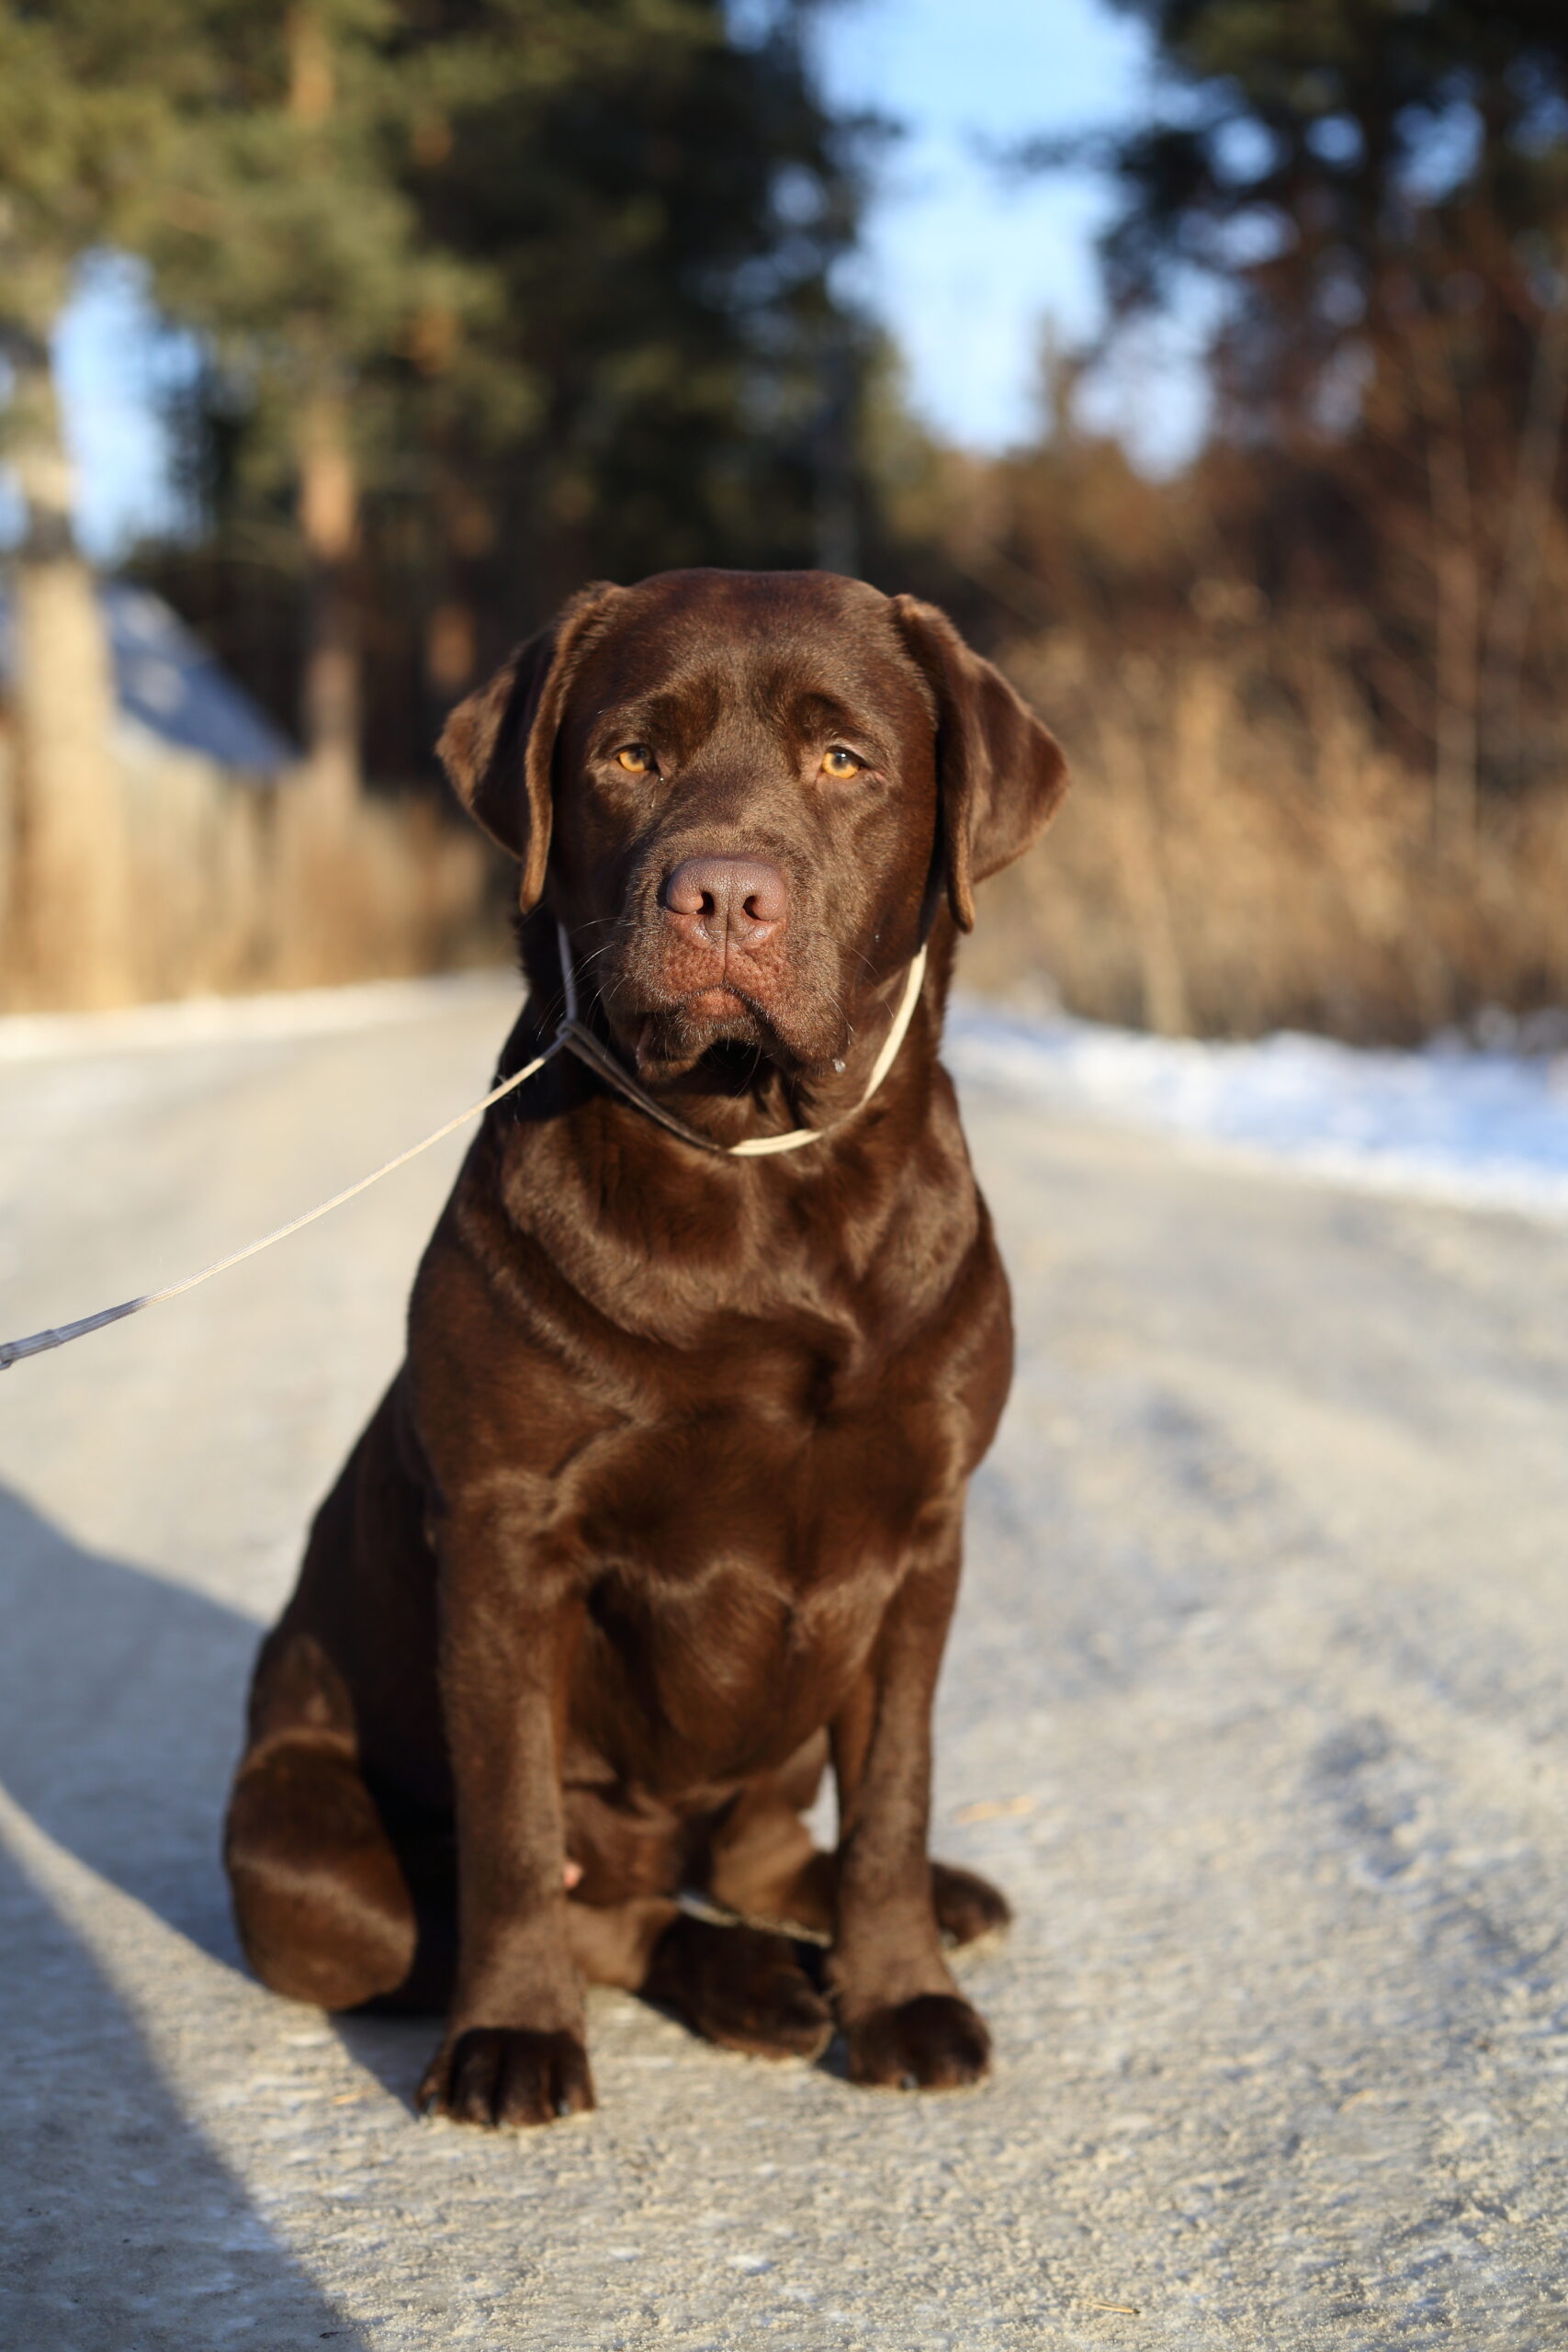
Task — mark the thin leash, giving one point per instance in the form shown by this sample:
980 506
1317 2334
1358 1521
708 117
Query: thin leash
571 1037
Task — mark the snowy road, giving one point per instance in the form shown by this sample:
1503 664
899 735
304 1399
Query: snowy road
1256 1705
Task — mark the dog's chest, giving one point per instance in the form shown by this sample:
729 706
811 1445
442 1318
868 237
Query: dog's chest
740 1562
795 1474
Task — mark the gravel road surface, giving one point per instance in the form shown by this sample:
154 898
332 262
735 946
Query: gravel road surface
1255 1705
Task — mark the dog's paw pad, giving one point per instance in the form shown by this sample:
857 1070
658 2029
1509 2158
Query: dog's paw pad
935 2042
508 2077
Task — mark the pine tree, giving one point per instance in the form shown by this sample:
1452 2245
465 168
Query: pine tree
286 238
1380 191
581 305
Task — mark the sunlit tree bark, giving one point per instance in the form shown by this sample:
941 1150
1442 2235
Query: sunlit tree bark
69 933
328 490
327 509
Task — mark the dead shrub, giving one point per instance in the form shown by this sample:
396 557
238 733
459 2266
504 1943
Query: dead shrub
234 889
1239 854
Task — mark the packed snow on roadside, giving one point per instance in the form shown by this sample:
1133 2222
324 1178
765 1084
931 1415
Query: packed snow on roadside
1481 1127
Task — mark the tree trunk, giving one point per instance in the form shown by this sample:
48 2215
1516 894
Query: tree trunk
1458 639
70 932
1456 575
328 497
327 522
1129 764
1529 516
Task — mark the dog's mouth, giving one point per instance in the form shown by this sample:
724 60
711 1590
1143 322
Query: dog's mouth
674 1002
668 1040
722 1024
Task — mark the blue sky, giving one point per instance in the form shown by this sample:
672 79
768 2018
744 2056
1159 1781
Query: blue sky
964 262
108 357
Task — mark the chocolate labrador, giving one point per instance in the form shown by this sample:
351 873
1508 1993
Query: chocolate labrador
665 1505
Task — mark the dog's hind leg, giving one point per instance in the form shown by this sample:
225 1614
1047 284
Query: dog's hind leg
764 1865
322 1898
760 1860
739 1986
806 1898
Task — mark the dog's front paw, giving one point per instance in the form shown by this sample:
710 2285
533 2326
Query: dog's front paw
507 2076
934 2044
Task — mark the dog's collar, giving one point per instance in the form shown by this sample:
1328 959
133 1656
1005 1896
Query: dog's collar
597 1057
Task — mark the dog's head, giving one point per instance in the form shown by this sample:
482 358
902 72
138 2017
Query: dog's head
745 795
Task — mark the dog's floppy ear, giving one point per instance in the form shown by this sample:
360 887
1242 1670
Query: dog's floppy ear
497 747
1000 772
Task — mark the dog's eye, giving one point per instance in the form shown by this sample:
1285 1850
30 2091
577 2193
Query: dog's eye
636 758
839 762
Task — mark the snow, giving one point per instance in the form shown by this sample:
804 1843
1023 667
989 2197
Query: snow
1477 1128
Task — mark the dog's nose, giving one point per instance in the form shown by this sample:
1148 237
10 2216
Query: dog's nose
743 898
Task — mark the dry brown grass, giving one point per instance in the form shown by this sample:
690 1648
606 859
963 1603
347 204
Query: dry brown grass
232 889
1239 855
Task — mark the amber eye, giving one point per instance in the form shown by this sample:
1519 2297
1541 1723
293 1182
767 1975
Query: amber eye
636 758
839 762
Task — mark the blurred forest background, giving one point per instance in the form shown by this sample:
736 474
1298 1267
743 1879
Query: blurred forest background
495 295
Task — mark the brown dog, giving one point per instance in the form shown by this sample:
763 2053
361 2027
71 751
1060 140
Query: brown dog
665 1504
